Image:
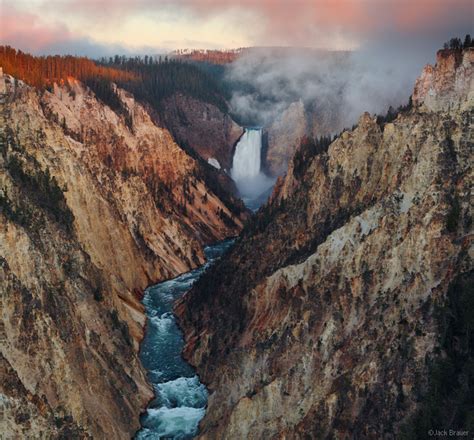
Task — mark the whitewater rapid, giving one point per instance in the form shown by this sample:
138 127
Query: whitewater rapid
180 398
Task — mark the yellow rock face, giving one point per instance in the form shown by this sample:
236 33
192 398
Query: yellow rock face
70 296
330 298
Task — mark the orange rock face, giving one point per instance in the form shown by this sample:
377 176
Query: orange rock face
448 81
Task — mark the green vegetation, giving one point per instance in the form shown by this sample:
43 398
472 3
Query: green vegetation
225 218
20 213
38 188
104 91
454 213
309 148
392 113
155 80
457 44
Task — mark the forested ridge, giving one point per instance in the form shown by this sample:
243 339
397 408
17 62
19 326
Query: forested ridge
160 78
42 71
150 79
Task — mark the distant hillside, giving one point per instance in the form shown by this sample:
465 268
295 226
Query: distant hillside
208 56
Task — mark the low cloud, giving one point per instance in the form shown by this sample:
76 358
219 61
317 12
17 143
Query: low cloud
339 86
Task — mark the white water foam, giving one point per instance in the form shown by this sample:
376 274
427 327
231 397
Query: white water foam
176 423
183 391
162 323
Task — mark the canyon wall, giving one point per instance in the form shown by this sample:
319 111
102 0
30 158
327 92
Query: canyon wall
203 127
283 137
95 205
300 120
344 309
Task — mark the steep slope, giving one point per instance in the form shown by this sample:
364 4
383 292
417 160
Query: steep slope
335 314
201 126
313 119
95 205
283 137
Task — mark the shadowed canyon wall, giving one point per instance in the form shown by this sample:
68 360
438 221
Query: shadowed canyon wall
331 316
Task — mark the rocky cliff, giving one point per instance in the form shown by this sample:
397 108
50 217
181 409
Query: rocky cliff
95 204
300 120
448 84
203 127
283 137
344 309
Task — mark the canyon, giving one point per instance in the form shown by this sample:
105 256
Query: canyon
344 308
95 206
341 308
203 127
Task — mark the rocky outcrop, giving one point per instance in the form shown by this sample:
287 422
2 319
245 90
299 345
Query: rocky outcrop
300 120
201 126
329 318
450 83
284 135
94 206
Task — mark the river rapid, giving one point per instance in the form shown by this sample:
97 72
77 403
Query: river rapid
180 398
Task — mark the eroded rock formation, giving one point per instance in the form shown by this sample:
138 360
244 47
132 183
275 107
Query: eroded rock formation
94 206
203 127
328 316
284 135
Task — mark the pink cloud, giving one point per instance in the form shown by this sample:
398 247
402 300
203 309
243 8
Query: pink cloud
276 22
28 32
24 29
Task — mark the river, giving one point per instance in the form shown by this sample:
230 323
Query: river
180 399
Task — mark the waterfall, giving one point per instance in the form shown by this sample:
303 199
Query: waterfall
253 184
246 162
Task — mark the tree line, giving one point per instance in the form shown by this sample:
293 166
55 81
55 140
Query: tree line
42 71
458 44
151 79
158 78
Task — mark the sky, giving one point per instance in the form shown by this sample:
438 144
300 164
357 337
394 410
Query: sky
105 27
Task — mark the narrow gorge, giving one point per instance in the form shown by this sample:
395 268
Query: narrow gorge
185 254
180 398
95 207
344 308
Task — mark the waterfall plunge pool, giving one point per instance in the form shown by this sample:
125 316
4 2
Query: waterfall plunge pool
180 398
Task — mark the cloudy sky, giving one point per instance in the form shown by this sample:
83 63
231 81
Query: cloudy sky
102 27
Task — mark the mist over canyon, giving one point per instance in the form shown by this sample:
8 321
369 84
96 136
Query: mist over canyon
338 85
297 92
